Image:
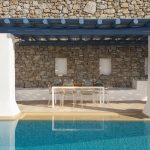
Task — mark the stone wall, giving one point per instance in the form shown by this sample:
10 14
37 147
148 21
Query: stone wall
75 8
35 66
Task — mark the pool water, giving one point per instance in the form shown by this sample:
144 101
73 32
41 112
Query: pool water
75 135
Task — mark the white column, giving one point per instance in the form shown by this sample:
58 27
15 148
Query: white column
8 105
147 106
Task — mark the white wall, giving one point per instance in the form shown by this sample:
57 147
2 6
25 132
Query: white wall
8 106
29 94
139 93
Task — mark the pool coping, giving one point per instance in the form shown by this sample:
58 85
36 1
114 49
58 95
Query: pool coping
99 116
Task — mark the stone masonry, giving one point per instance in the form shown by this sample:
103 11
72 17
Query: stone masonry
75 8
35 65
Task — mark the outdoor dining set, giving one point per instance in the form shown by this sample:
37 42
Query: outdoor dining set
61 90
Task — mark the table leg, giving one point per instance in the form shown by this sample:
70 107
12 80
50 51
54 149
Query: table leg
81 100
103 95
93 97
53 98
73 99
100 98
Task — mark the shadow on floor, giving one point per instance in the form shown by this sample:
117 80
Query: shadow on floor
135 112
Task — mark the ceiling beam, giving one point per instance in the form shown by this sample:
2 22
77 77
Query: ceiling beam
81 42
75 32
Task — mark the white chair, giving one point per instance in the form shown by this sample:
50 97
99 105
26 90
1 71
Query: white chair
99 91
106 93
56 82
107 88
68 92
87 91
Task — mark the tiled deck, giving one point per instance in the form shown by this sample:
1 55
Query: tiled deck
39 110
111 111
119 107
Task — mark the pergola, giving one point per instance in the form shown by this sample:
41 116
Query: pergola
63 32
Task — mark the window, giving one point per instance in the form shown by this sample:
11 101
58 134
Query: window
61 66
105 66
146 66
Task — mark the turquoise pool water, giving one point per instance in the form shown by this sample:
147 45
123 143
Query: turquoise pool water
74 135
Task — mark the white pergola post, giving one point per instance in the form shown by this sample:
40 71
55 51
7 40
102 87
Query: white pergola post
8 105
147 106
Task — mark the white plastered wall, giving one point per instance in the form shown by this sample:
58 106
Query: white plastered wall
139 92
8 105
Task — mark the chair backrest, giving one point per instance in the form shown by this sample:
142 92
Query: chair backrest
87 83
77 83
98 83
57 82
68 82
108 85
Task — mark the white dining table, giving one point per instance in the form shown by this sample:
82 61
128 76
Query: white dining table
100 89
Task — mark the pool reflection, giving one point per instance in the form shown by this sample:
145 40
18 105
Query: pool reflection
65 133
7 134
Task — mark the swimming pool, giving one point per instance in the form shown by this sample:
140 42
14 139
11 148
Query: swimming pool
74 135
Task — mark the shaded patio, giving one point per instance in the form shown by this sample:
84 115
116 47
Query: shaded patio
125 110
52 32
